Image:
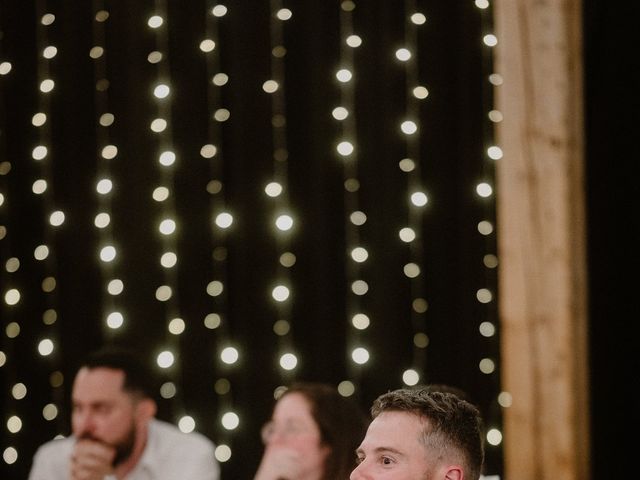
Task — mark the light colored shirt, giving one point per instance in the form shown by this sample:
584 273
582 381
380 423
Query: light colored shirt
168 455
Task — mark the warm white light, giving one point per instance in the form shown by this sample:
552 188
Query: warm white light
409 127
224 220
420 92
280 293
419 199
163 293
41 252
340 113
109 152
284 14
360 355
168 259
158 125
505 399
10 455
411 270
360 321
45 347
39 152
5 68
484 189
288 361
219 11
344 75
284 222
155 21
167 158
490 40
167 226
229 355
56 218
407 234
115 286
168 390
12 296
345 148
47 85
487 366
104 186
165 359
207 45
160 194
487 329
176 326
115 320
410 377
358 218
220 79
270 86
39 119
273 189
230 420
102 220
108 253
354 41
484 295
161 91
494 152
19 391
187 424
50 412
495 116
346 388
39 186
359 254
14 424
418 18
482 4
359 287
403 54
49 52
215 288
496 79
485 227
222 453
494 437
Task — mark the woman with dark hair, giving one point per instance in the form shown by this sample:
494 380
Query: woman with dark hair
312 435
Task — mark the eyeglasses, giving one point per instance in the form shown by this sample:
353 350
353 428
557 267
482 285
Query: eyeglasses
288 429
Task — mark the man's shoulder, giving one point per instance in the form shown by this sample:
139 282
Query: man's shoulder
169 432
57 446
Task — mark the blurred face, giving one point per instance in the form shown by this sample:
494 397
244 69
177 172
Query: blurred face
293 436
392 450
103 411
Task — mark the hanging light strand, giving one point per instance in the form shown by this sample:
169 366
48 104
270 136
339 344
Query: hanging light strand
106 153
222 222
486 295
416 197
278 191
356 253
168 354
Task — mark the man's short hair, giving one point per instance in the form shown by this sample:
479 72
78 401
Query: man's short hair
138 378
452 422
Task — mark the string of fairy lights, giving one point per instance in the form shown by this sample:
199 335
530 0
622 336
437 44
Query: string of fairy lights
416 198
486 294
106 153
277 191
221 221
356 255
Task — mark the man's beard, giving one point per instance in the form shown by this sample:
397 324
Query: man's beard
124 448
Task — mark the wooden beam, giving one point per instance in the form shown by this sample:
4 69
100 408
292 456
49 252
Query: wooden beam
541 239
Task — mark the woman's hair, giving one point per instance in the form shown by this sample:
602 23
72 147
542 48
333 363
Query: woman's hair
341 422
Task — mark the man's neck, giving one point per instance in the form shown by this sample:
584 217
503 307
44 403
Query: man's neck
125 468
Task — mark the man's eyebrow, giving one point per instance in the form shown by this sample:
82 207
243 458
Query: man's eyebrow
379 450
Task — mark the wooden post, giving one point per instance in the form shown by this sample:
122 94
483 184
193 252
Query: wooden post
541 239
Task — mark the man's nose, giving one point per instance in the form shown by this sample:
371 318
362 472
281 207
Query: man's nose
357 473
84 425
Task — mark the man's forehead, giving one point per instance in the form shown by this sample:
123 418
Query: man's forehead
101 380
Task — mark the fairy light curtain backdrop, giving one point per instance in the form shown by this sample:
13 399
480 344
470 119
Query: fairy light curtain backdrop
251 193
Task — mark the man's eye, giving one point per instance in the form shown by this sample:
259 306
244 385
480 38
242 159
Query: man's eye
359 460
386 461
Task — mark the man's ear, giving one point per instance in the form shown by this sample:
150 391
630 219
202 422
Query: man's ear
146 409
454 473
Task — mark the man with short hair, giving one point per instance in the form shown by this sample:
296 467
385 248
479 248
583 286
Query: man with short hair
417 434
116 434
